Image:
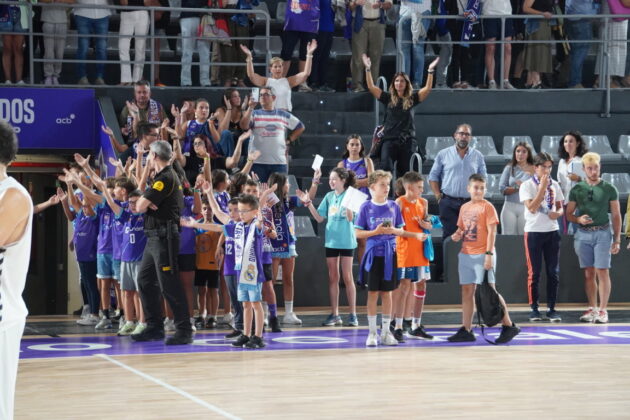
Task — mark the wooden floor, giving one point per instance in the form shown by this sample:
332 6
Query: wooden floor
513 382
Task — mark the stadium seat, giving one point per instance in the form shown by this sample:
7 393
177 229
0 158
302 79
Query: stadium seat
549 144
262 6
510 141
340 48
435 144
275 45
389 48
492 190
485 144
600 144
619 180
281 11
624 146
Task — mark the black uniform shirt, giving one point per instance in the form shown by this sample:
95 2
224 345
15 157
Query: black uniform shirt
166 193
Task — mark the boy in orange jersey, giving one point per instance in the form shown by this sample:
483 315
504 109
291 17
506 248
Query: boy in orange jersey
477 226
413 266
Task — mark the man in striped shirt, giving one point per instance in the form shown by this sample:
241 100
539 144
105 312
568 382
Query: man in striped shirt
272 130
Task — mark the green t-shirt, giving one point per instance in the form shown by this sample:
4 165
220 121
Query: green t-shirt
339 231
594 200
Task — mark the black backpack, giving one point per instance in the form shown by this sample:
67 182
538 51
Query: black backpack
489 307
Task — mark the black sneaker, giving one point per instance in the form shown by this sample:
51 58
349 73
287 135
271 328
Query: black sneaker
398 335
274 324
241 341
419 332
199 322
211 323
535 316
553 316
255 342
406 324
149 334
508 333
462 335
179 338
234 334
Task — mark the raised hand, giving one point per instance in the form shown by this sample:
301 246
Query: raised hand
132 108
366 61
303 196
255 177
113 161
175 111
434 64
246 50
185 107
81 160
253 155
311 47
206 187
165 123
188 222
107 130
61 194
245 135
226 102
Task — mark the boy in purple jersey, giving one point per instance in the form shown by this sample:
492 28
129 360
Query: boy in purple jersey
380 221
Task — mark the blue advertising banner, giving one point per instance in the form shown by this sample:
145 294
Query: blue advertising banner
104 149
50 118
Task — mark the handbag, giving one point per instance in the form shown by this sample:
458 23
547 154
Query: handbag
214 28
619 7
377 142
490 310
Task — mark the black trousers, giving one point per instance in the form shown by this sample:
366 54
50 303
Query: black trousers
157 276
449 213
319 72
539 245
395 151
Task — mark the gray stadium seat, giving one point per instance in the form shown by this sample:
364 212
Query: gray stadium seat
262 6
340 48
619 180
510 141
389 48
435 144
275 46
549 144
624 146
485 144
493 191
281 11
601 145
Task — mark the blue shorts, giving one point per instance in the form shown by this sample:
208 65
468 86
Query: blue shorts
105 267
492 28
593 248
116 266
250 295
471 269
263 170
13 24
415 274
291 253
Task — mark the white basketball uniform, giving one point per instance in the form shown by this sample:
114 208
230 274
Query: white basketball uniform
14 260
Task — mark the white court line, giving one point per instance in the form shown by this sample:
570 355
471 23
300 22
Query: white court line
170 387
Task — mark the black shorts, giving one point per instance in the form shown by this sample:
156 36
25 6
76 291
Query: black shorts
376 276
268 272
207 278
335 252
290 38
492 28
186 262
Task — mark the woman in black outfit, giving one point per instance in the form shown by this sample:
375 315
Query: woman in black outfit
399 131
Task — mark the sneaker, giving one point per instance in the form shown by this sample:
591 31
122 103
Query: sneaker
192 324
399 336
589 315
55 81
127 328
255 342
211 323
118 315
406 325
507 85
179 338
274 324
8 82
199 322
353 321
241 341
149 334
419 332
358 89
535 316
372 340
492 85
553 316
291 318
325 88
84 311
387 339
89 320
601 317
508 333
233 334
104 324
140 327
48 81
169 325
304 88
332 321
462 335
22 82
83 81
228 319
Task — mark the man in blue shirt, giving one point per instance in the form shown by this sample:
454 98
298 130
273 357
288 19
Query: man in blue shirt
449 176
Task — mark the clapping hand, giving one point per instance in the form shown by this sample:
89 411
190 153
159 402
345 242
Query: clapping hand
175 111
247 134
206 187
253 155
133 109
83 162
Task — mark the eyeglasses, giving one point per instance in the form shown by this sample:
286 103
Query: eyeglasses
265 94
590 195
198 143
244 211
463 133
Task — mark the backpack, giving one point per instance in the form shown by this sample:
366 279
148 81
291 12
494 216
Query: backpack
489 307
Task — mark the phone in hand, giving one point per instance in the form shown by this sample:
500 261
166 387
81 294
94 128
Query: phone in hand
256 94
387 223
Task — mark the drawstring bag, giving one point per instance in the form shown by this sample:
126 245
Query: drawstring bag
489 307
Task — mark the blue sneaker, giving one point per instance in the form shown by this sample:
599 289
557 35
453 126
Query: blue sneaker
535 316
332 320
553 316
353 321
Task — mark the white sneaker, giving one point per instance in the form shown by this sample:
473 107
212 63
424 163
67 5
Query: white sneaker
492 85
192 323
7 82
304 88
227 319
21 82
104 324
372 340
128 328
387 339
139 328
90 319
507 84
169 325
601 317
85 312
589 315
291 318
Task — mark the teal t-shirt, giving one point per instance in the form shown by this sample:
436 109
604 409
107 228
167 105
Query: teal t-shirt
594 200
339 231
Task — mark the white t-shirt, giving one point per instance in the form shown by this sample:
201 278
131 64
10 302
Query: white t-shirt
282 90
496 7
269 134
90 12
564 169
14 260
539 221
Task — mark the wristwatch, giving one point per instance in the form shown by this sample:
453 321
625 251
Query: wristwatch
489 253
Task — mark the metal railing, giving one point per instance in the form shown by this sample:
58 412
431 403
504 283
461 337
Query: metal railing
603 42
150 36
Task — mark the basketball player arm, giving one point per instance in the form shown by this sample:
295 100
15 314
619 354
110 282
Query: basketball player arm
15 210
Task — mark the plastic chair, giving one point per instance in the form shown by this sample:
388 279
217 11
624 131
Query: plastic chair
621 181
492 187
281 10
624 145
600 144
550 144
435 144
510 141
340 47
389 48
485 144
275 46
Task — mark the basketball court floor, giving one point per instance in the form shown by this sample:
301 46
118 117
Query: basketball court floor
563 370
